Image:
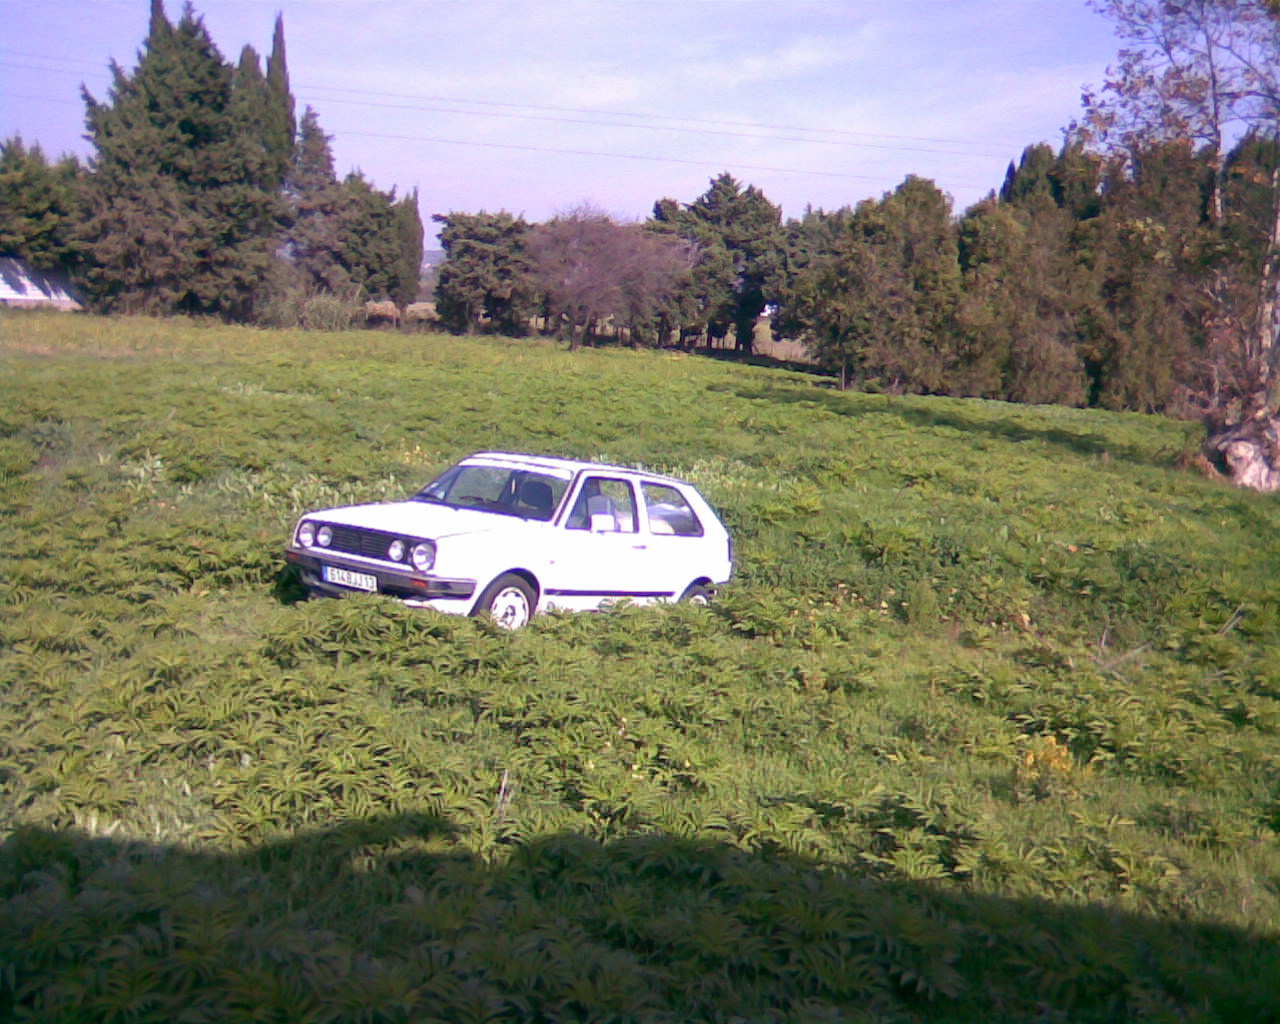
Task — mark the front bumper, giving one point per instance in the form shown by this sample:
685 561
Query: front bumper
403 585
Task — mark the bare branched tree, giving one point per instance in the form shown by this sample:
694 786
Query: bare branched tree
1208 71
593 268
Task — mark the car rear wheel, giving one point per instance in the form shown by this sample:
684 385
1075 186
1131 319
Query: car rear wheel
509 599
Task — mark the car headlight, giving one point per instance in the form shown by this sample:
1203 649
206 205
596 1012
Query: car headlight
423 555
324 536
396 551
307 534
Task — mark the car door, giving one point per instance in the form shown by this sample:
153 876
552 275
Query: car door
675 543
601 553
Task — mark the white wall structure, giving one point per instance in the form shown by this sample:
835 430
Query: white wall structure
24 288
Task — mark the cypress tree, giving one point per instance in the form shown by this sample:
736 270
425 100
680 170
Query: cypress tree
367 236
408 265
347 233
279 123
487 272
183 210
739 236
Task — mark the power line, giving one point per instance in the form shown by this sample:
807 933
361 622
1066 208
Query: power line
662 128
45 56
40 99
651 117
713 126
724 128
629 156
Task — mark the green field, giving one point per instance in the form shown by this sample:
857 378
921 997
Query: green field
987 728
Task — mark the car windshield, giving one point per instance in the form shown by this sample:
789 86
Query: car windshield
507 490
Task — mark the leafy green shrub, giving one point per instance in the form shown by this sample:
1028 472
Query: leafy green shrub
297 308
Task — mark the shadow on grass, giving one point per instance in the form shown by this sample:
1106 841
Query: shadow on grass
947 413
728 355
390 920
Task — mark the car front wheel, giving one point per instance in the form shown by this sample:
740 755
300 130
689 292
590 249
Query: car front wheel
696 593
509 599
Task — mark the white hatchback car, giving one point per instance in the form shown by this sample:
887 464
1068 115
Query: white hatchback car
513 535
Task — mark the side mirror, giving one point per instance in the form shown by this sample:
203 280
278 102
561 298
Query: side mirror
602 522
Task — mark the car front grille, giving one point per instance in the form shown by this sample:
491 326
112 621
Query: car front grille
368 543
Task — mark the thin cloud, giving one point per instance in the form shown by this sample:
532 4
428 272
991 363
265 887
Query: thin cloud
950 91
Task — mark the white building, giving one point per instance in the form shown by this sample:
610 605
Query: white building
22 287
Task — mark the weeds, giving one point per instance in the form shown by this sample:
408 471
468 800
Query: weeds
985 728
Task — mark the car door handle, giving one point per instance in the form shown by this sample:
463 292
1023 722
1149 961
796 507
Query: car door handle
639 547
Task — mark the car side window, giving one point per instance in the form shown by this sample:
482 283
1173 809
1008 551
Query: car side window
604 505
669 512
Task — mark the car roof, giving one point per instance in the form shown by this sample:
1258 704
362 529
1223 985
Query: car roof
553 462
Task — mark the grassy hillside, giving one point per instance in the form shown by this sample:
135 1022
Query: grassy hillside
987 727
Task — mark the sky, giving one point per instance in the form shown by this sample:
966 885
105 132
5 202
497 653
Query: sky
537 106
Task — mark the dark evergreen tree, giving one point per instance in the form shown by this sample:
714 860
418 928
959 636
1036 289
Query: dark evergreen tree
1019 322
183 210
1032 178
39 206
407 270
879 306
810 243
279 124
703 308
348 237
739 242
368 236
313 240
1152 251
486 277
1030 317
261 122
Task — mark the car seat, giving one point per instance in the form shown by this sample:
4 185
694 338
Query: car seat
537 495
601 505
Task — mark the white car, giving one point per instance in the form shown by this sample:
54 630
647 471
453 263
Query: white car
514 535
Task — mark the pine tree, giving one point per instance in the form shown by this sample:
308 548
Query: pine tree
183 213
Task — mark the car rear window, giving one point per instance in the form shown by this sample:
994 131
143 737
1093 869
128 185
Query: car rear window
669 512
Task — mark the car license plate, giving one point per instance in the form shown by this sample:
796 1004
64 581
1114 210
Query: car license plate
355 580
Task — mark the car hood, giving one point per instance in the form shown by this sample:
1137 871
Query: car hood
423 519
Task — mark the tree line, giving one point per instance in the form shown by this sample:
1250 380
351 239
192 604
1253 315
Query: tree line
1082 281
204 195
1136 267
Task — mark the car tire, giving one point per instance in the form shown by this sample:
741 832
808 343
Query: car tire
509 599
696 593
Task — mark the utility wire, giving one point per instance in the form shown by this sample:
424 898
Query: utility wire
662 128
713 126
438 140
629 156
652 117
